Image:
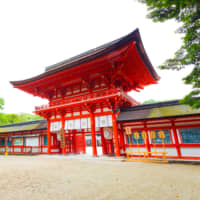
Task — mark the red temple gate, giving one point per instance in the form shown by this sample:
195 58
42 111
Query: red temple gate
86 92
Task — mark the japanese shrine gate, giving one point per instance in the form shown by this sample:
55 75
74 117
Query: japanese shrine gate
86 93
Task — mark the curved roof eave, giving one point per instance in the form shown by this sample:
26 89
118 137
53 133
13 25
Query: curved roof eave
93 54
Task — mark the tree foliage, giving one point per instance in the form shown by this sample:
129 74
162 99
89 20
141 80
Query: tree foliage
1 103
188 13
150 101
15 118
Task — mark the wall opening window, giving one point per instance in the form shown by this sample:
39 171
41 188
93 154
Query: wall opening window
190 135
158 140
132 140
45 140
2 142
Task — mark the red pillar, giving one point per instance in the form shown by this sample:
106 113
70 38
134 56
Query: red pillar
70 141
63 126
48 137
93 134
83 135
115 133
103 142
176 141
122 144
147 143
73 141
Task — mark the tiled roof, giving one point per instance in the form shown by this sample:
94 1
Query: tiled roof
155 111
24 126
95 53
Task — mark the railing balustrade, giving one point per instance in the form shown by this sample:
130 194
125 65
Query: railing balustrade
73 99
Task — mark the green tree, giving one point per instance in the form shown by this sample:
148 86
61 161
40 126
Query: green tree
12 118
15 118
28 117
150 101
1 103
188 13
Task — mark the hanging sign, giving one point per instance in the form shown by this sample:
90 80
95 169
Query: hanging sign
153 134
128 130
84 123
144 135
108 132
136 135
62 138
161 134
77 124
71 124
103 121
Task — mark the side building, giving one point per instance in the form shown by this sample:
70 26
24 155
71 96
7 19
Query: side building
180 124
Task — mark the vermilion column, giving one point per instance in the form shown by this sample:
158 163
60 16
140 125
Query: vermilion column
122 140
83 135
115 133
103 142
70 141
176 141
93 134
73 141
147 143
48 137
63 126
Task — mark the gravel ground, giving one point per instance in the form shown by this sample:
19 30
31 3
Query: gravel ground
62 177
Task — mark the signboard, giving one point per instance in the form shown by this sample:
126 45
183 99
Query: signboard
108 132
62 138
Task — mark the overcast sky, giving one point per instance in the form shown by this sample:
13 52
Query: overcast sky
39 33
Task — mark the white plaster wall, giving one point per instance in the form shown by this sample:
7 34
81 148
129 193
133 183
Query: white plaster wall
2 149
17 150
44 149
54 150
89 151
193 152
35 150
32 141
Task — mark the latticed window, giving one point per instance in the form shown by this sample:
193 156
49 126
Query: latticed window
190 135
10 142
132 140
2 142
45 140
158 140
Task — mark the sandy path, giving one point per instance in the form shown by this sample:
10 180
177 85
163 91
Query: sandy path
56 178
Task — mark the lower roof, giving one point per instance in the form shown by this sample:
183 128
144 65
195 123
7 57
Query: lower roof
24 126
156 111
